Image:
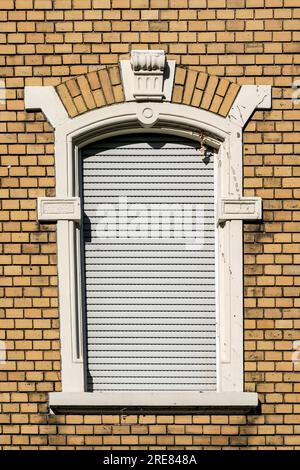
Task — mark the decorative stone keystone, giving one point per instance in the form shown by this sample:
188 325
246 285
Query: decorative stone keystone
148 69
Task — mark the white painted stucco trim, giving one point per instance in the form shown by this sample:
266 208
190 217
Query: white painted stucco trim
72 134
163 399
46 99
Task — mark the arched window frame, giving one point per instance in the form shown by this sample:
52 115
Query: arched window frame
232 208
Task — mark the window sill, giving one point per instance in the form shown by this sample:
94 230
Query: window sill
153 402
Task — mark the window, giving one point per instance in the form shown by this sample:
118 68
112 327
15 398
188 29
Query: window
158 127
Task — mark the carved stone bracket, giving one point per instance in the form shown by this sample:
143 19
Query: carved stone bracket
53 209
243 208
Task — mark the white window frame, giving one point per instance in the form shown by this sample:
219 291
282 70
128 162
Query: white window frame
232 208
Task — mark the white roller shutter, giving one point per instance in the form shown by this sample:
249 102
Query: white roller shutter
150 303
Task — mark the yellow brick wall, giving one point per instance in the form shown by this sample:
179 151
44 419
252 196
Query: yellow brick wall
47 42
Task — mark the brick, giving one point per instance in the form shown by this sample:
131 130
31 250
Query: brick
189 86
99 98
197 97
86 92
229 99
106 86
93 80
209 92
180 76
177 94
73 87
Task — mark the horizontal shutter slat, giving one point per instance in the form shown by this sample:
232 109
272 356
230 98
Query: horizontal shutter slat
154 307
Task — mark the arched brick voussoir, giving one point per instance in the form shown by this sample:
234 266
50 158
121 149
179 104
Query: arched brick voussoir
204 91
92 90
104 87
